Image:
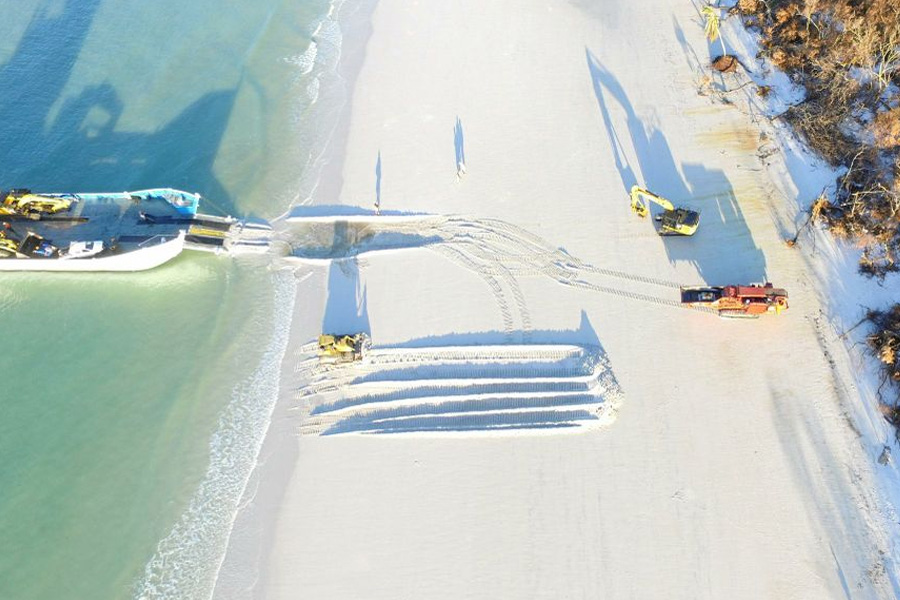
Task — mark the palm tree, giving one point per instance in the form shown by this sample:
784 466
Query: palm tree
711 14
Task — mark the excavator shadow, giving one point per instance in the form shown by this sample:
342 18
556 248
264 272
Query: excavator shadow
722 250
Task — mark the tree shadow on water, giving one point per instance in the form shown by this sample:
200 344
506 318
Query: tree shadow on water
36 73
722 250
79 148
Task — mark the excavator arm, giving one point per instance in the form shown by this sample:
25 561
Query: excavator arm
33 203
17 203
639 201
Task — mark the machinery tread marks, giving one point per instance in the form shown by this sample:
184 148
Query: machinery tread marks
499 252
555 259
458 256
526 253
638 278
497 276
487 264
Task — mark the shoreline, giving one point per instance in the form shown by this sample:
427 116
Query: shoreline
243 571
546 134
356 29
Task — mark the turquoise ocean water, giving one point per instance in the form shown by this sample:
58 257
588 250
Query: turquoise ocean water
131 405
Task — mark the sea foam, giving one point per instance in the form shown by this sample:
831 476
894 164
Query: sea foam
187 561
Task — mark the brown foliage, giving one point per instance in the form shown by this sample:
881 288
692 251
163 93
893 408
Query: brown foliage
884 343
846 54
886 129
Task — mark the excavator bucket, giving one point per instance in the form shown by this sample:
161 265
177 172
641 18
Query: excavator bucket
638 207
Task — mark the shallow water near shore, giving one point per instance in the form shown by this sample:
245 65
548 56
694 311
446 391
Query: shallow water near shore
120 392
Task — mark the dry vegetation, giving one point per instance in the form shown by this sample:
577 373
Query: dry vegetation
884 343
846 54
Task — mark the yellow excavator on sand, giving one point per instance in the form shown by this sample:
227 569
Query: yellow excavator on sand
23 202
673 221
343 348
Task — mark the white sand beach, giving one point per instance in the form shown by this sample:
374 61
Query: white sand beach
716 459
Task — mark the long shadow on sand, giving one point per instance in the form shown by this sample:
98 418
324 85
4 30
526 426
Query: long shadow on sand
723 250
831 500
459 146
585 335
79 148
346 308
378 182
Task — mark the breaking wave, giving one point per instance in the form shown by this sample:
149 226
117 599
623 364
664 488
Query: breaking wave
312 91
321 95
307 60
187 561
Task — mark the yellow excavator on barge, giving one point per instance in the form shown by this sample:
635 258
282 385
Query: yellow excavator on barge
26 204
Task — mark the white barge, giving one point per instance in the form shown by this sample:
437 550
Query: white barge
120 231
